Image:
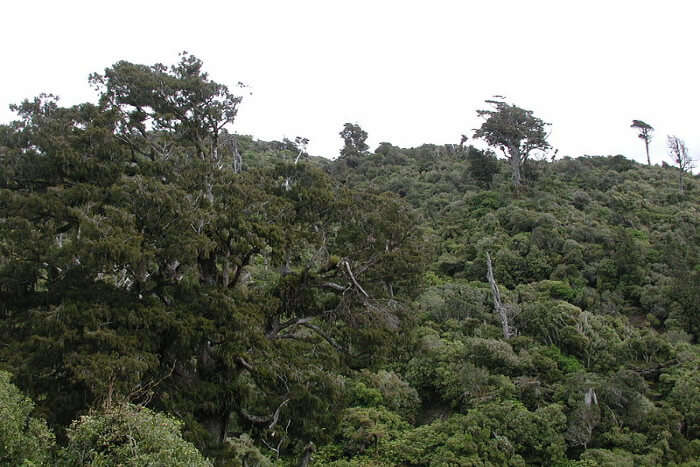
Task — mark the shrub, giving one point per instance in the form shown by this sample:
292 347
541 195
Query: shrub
131 436
24 440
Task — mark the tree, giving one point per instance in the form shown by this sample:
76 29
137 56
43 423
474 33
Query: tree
24 439
215 293
180 102
679 154
645 134
354 138
513 130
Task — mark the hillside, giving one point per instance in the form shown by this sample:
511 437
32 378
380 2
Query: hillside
271 308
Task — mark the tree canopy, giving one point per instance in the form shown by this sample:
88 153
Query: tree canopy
646 132
516 132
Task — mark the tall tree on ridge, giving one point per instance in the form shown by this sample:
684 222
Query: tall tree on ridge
354 138
513 130
645 133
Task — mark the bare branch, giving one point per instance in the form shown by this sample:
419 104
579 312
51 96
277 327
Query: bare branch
244 363
497 303
335 286
352 277
276 416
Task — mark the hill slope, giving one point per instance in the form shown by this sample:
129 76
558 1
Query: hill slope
288 308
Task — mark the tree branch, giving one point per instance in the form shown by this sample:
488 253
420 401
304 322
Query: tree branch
276 415
274 418
244 363
335 286
325 336
352 277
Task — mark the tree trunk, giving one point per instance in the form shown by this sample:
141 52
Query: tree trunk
306 457
515 163
217 426
646 145
497 304
208 272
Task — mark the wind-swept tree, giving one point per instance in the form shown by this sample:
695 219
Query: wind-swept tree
645 134
180 102
679 153
516 132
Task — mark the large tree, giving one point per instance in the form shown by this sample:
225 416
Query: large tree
645 134
354 138
516 132
138 263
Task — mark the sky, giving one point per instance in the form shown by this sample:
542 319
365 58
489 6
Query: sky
409 72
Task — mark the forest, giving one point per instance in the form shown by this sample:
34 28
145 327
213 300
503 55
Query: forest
175 293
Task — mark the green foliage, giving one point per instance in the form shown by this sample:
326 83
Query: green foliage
128 435
24 438
482 166
391 391
516 132
217 292
354 145
566 363
149 254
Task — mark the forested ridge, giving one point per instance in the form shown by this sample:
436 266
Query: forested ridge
175 293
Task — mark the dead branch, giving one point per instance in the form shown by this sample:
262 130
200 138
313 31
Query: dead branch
333 285
265 418
242 361
497 303
346 263
276 416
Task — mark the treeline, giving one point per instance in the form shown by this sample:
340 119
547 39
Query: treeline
268 307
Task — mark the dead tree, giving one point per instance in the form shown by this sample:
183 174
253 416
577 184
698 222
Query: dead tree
237 158
679 153
501 309
300 143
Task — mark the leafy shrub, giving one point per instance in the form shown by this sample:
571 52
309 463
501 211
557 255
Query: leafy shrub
396 394
364 428
131 436
566 363
24 439
500 433
581 199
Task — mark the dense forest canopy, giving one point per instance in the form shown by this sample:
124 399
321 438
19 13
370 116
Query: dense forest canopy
174 292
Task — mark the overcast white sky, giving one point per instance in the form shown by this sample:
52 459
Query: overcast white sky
409 72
